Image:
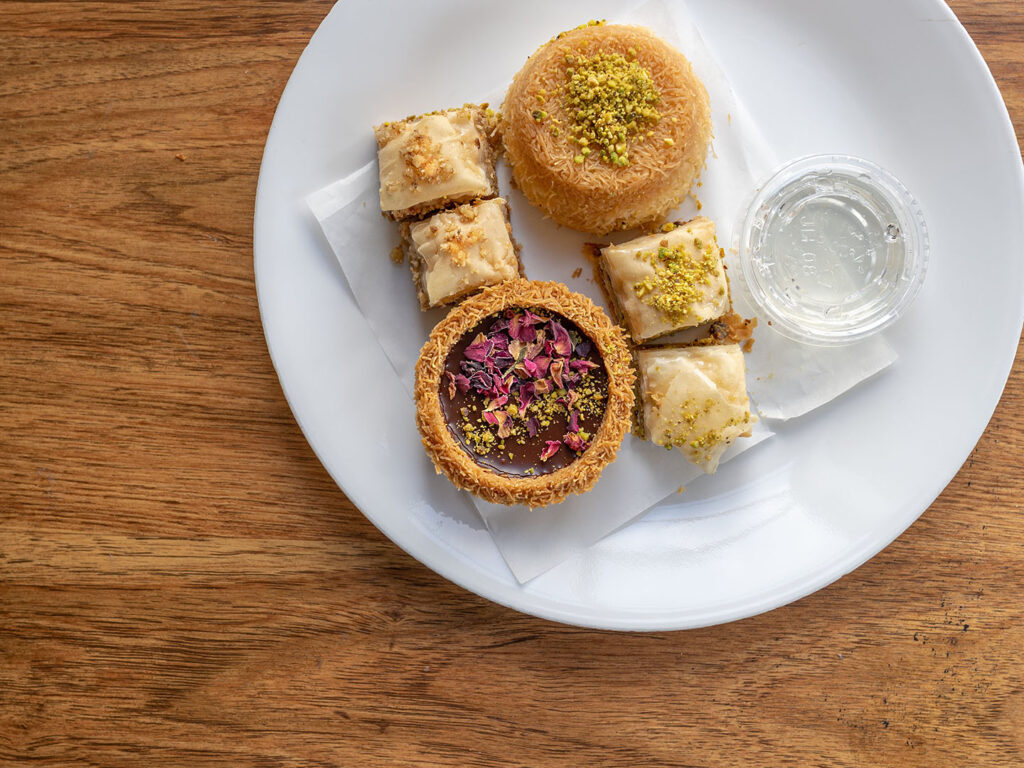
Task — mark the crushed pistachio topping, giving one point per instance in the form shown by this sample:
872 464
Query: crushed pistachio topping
679 277
611 103
591 23
701 443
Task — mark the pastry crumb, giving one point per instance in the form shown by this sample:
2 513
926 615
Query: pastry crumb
180 156
397 255
577 272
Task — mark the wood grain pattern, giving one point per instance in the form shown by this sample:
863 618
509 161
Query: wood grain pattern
182 584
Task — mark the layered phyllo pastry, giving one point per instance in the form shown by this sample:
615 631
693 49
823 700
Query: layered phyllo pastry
456 252
433 161
694 399
667 281
523 393
606 127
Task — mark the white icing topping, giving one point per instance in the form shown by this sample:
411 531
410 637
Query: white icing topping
434 157
464 249
629 263
695 398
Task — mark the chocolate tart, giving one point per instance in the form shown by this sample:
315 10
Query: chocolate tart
606 127
524 393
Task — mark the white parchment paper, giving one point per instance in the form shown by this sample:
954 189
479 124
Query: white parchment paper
785 379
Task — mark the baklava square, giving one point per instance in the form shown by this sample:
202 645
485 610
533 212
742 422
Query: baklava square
695 399
667 281
433 161
459 251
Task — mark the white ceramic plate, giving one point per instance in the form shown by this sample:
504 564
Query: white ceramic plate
899 83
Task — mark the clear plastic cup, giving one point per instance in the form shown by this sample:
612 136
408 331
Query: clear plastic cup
833 249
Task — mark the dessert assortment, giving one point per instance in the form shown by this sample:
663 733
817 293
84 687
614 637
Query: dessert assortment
525 390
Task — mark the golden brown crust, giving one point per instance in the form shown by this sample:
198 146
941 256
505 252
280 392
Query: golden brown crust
639 428
385 132
594 196
415 264
452 460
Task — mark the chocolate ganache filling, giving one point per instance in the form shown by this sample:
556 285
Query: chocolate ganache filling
524 392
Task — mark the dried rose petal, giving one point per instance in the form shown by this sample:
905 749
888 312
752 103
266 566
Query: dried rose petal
575 442
462 383
542 364
542 386
521 328
532 426
504 424
526 395
583 348
582 365
574 421
562 342
451 384
550 449
490 418
481 381
531 368
478 350
534 349
556 372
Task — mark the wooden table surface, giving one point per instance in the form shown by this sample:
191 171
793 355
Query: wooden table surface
181 583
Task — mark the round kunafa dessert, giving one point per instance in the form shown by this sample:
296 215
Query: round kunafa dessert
606 127
524 393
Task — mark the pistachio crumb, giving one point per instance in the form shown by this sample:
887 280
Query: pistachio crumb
612 102
678 281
